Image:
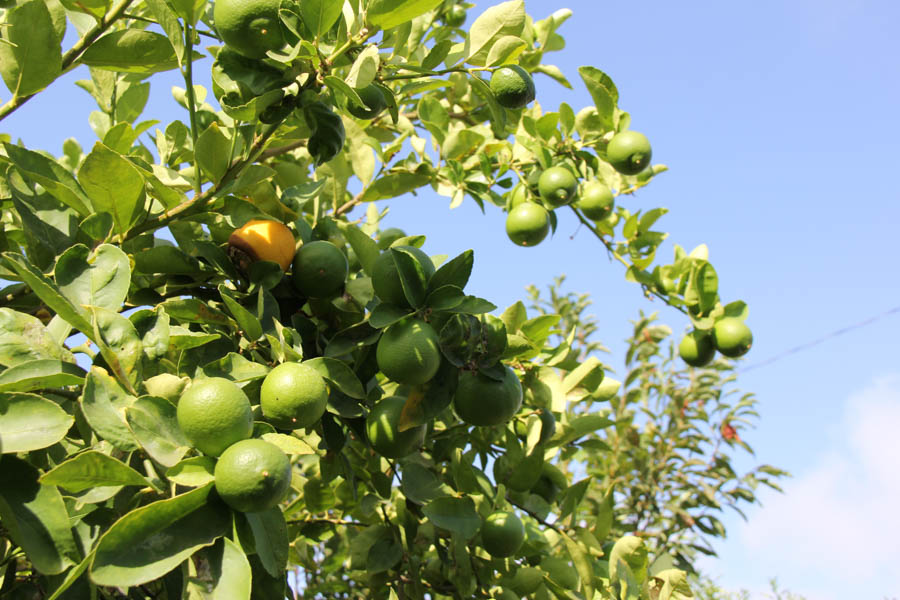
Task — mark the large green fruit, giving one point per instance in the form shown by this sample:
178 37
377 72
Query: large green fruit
732 337
480 400
319 270
527 224
372 98
502 534
512 86
557 186
252 475
213 414
408 352
251 27
293 395
629 152
596 200
697 348
384 434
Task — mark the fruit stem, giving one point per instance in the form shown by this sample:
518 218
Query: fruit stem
73 54
188 74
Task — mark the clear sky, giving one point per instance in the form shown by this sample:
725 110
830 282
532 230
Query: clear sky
778 121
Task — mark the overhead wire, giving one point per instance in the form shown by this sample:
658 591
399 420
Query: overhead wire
820 340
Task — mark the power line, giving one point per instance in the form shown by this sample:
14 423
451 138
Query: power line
818 341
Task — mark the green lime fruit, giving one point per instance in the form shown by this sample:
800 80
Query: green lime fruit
557 186
528 224
408 352
213 414
383 431
519 195
480 400
526 580
252 475
456 16
697 348
502 534
320 269
629 152
293 395
512 86
372 98
386 279
251 27
166 385
732 337
596 200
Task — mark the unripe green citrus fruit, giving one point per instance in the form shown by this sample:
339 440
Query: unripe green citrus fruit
527 224
696 348
320 269
166 385
386 279
548 425
519 195
213 414
629 152
250 27
384 435
502 534
264 240
557 186
732 337
526 580
456 16
596 200
372 98
551 482
480 400
293 395
512 86
252 475
408 352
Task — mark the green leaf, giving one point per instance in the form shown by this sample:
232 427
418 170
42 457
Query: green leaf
98 278
603 91
72 576
155 427
412 276
319 15
583 565
103 403
505 19
505 50
193 472
364 68
633 553
270 535
737 309
384 554
235 367
120 346
213 153
289 444
457 515
393 185
387 314
445 297
35 516
29 422
92 469
365 247
24 338
707 287
339 375
114 185
44 373
387 14
246 320
168 260
421 485
584 372
55 178
225 573
132 51
30 52
150 541
49 293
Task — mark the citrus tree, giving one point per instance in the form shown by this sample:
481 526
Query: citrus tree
225 377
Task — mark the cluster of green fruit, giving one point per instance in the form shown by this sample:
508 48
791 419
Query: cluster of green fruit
730 336
530 202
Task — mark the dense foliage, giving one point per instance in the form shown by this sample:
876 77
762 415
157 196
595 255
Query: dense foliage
223 371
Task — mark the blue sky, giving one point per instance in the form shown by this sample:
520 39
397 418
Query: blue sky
778 121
